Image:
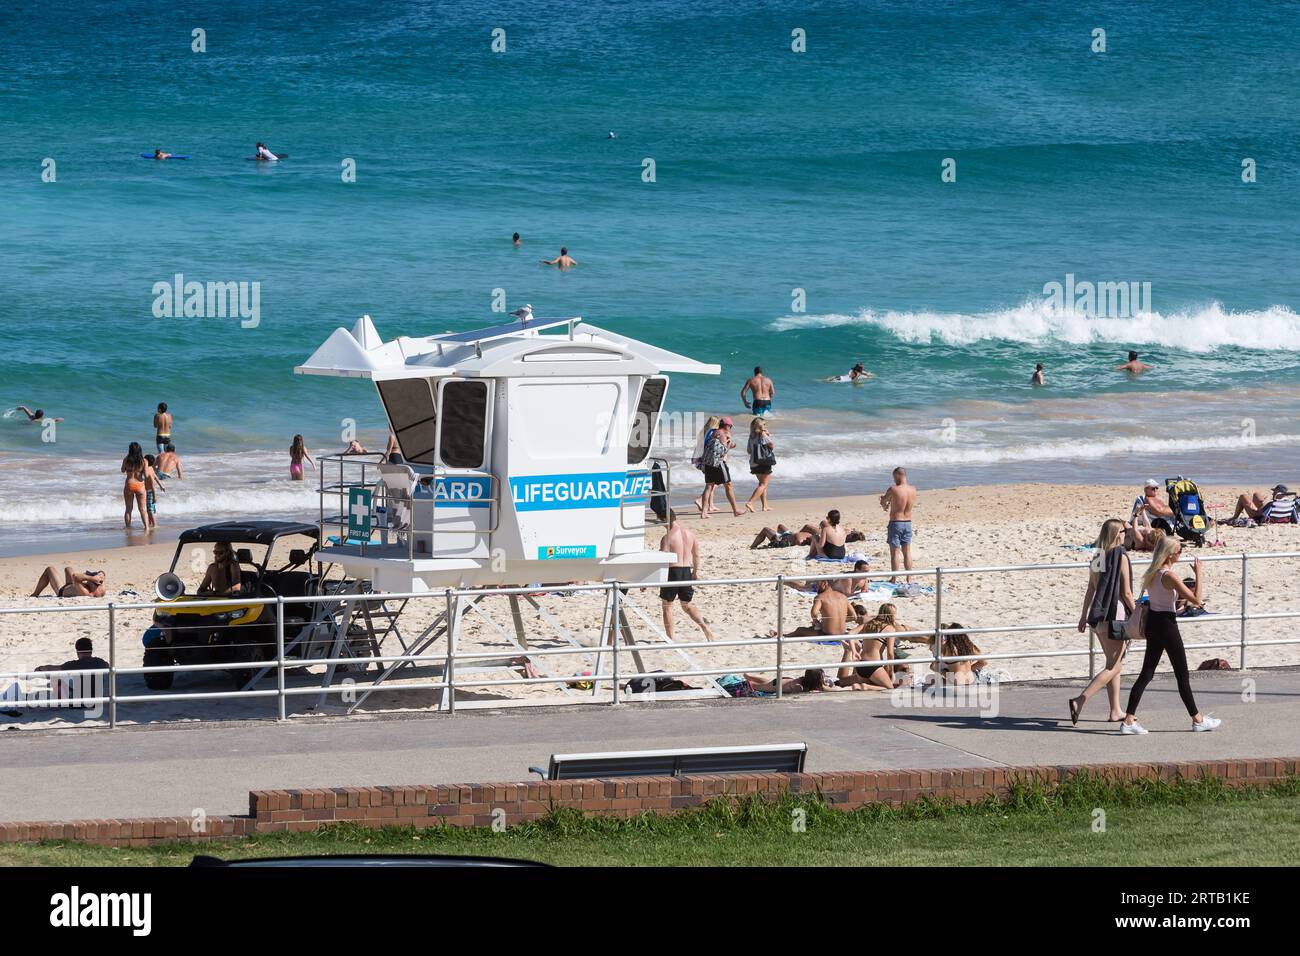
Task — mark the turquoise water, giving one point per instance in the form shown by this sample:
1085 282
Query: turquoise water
775 171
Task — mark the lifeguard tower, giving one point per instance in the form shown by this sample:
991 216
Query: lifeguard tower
524 455
525 459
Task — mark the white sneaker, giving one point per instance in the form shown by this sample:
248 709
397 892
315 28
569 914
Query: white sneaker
1207 724
1133 728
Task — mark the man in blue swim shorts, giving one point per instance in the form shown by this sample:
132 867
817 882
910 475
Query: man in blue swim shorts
762 390
898 501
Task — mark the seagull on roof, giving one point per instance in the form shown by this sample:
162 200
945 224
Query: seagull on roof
524 313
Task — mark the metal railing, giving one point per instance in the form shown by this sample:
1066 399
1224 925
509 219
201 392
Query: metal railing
783 646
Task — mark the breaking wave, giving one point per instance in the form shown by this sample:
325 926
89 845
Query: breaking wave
1276 328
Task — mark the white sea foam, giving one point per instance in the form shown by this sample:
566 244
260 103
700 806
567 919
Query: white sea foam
1276 328
831 461
283 500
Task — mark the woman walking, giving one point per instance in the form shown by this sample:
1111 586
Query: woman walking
297 452
1107 604
762 456
1162 636
136 470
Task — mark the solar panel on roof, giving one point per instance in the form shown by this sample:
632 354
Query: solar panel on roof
503 331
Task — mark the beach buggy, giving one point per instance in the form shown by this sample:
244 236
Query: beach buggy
233 632
1188 506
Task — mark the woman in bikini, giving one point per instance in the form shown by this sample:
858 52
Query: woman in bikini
136 470
70 583
876 645
958 645
297 452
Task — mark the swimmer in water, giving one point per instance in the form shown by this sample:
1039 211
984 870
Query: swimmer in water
563 260
1133 366
515 240
36 416
1038 375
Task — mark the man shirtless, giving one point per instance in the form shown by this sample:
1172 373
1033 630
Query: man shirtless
169 463
1133 366
762 390
830 614
898 501
563 260
685 547
1152 501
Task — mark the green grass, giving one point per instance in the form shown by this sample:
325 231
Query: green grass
1198 822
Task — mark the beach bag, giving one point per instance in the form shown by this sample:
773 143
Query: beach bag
761 453
1135 628
736 686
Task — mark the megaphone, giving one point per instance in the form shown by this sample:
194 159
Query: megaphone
169 586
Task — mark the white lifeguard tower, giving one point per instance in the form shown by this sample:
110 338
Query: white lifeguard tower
525 460
524 455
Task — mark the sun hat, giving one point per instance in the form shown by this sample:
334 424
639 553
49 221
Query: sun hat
1280 490
724 422
1151 483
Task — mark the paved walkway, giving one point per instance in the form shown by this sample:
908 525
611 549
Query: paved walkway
173 770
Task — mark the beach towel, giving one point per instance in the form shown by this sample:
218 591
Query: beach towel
849 559
1105 599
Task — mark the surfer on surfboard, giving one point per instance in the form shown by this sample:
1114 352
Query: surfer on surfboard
265 154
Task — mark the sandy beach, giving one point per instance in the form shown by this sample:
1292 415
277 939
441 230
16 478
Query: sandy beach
962 527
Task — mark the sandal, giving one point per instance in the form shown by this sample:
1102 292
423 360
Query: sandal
1075 707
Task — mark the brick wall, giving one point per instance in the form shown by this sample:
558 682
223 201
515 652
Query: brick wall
473 805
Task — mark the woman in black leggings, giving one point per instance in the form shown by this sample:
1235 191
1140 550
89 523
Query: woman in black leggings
1164 590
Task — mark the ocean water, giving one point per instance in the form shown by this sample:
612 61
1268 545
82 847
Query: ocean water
797 220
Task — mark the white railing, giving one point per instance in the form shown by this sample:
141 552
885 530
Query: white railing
617 649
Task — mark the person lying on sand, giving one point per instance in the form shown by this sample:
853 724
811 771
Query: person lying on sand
813 681
849 587
781 537
1252 505
1142 532
70 583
